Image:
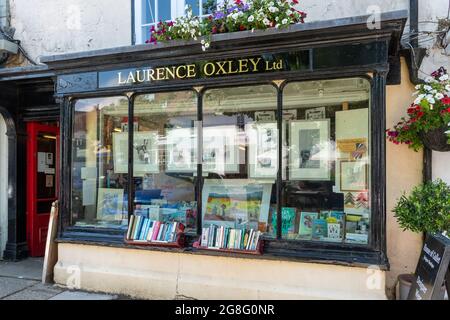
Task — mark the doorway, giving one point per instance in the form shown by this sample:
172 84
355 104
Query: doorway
42 182
3 186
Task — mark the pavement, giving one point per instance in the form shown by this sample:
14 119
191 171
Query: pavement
22 281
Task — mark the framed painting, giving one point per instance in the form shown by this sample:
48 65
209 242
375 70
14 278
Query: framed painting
309 150
145 152
236 203
110 204
262 150
353 175
220 149
181 150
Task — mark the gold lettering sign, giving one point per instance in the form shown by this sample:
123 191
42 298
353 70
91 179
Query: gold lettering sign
201 70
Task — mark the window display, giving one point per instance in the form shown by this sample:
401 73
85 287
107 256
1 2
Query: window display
99 167
327 181
240 163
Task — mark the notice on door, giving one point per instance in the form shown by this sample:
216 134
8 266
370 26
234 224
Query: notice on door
49 181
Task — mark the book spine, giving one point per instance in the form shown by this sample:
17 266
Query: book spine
156 230
130 227
137 229
150 231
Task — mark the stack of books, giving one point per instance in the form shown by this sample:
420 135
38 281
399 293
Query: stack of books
220 237
142 229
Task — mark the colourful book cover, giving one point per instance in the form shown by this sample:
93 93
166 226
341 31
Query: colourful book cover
306 223
288 216
319 229
156 230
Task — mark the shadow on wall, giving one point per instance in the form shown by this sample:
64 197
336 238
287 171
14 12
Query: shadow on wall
3 186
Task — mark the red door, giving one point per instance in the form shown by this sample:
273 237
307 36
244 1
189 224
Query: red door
42 182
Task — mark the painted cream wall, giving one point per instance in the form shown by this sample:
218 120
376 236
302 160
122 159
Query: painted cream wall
48 27
3 186
404 170
165 275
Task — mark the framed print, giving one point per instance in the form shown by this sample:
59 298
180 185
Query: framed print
110 204
309 150
289 115
145 149
353 175
315 114
264 116
181 150
220 149
354 149
236 203
262 150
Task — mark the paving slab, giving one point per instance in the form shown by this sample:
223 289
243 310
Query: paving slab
9 286
36 292
30 268
79 295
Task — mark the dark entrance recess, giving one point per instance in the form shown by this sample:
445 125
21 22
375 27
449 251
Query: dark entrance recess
26 94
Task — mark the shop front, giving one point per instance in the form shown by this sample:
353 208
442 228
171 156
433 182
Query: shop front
274 139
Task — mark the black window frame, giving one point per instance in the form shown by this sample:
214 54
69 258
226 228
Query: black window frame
312 251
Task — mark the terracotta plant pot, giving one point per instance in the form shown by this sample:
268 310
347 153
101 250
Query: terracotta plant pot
436 139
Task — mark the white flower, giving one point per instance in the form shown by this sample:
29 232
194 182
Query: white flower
235 16
251 19
444 77
285 21
418 87
415 93
273 9
203 41
418 101
428 88
207 45
431 100
203 48
447 87
271 4
266 22
429 80
439 96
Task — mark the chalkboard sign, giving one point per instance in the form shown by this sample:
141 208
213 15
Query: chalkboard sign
432 270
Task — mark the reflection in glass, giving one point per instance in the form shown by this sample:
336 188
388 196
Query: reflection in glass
325 192
239 148
99 186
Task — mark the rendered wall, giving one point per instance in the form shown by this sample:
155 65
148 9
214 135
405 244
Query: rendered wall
404 171
48 27
163 275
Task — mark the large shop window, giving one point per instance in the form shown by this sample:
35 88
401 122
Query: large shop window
240 162
100 163
165 165
326 165
250 159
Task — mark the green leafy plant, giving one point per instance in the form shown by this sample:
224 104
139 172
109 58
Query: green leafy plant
427 209
230 16
430 111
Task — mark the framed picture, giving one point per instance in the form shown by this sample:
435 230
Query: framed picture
262 150
220 149
236 203
110 204
315 114
309 151
181 150
353 175
354 149
289 115
145 149
265 116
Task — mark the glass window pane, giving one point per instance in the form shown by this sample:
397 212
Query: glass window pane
240 163
99 165
208 6
164 10
326 183
148 12
165 144
194 4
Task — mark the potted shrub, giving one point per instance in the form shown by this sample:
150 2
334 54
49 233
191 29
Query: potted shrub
426 210
428 120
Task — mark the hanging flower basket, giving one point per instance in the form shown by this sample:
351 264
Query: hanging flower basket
436 139
428 120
